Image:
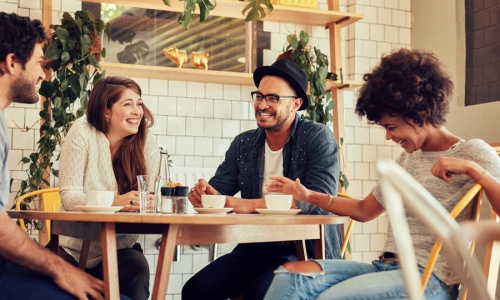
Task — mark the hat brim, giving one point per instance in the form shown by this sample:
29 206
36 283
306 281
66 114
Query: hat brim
272 71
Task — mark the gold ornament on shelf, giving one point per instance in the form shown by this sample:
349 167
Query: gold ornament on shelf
199 60
179 57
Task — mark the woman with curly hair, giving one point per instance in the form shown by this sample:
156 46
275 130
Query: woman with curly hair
409 95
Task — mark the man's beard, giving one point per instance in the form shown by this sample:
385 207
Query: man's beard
280 120
23 91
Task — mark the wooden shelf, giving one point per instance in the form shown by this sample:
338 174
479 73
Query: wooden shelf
232 9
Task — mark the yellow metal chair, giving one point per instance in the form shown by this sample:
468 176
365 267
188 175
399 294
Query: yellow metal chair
49 201
474 194
347 233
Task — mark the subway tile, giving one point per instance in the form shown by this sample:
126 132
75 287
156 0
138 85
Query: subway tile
369 49
370 14
396 152
222 109
384 16
202 146
368 186
167 106
391 4
11 8
23 140
195 126
377 32
199 262
175 284
196 89
186 107
193 161
362 171
231 92
270 56
176 126
71 5
14 160
248 125
384 152
151 103
31 4
214 91
362 242
160 126
184 145
270 26
405 5
177 88
391 34
212 162
377 135
405 36
319 32
35 14
213 127
230 128
370 226
204 108
166 142
398 18
377 3
369 153
245 96
368 257
15 118
383 48
239 110
377 242
374 175
362 135
184 265
362 31
158 87
220 147
278 40
353 152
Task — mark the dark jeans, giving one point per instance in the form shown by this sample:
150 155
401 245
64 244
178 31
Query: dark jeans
248 270
20 283
133 271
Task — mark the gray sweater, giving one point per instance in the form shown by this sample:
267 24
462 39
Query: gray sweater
418 164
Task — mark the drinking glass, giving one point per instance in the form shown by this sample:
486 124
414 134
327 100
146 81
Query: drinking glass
149 187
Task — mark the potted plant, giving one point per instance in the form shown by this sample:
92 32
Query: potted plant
72 54
315 65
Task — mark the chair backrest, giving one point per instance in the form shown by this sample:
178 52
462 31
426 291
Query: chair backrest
396 182
347 232
475 194
49 201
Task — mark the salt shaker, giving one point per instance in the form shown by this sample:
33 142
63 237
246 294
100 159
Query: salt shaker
166 199
180 199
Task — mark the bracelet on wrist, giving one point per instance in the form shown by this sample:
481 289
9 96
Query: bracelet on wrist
330 200
481 177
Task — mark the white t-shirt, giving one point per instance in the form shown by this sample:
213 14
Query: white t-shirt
273 165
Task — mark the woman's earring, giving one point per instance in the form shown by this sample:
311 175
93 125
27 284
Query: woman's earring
107 120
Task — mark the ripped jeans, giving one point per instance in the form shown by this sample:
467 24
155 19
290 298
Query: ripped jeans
341 279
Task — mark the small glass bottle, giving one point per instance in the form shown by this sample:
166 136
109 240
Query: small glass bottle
180 199
166 199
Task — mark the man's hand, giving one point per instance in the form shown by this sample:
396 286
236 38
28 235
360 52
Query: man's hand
78 283
200 188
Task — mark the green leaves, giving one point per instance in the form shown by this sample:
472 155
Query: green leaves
255 9
75 68
186 18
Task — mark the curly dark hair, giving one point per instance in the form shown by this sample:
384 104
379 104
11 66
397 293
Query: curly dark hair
19 35
408 83
129 160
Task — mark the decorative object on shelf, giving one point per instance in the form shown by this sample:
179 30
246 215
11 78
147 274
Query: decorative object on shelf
199 60
72 54
298 3
315 65
253 11
179 57
133 53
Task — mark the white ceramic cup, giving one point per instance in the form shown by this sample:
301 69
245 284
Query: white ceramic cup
100 198
278 202
213 201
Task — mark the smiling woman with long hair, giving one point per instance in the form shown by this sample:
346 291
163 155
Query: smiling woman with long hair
105 150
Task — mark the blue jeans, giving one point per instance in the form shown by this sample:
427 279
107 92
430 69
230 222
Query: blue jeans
20 283
341 279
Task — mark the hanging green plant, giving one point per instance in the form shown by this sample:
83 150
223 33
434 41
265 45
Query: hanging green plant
254 10
73 54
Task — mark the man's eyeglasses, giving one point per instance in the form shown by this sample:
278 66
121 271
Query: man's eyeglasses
271 99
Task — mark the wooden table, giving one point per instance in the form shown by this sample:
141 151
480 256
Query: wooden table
188 229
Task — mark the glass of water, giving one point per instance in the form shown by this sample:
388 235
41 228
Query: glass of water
149 188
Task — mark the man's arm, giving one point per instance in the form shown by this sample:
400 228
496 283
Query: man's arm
19 248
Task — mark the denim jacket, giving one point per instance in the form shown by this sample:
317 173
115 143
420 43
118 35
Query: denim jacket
309 154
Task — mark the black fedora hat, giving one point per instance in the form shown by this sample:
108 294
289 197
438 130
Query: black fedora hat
289 71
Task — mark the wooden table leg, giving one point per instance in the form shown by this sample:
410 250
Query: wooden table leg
110 261
164 265
319 245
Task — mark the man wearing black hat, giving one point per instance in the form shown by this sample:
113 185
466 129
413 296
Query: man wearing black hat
284 144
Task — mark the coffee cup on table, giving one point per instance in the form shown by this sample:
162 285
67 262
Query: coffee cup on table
213 201
100 198
278 201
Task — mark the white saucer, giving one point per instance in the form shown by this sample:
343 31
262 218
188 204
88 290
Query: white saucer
203 210
266 211
98 209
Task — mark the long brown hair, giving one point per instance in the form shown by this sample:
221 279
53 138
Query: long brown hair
129 160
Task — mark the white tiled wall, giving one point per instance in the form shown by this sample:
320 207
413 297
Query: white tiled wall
190 114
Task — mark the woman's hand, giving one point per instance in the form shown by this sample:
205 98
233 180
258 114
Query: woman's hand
130 198
445 167
287 186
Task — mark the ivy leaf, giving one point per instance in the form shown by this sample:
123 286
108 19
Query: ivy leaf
52 51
